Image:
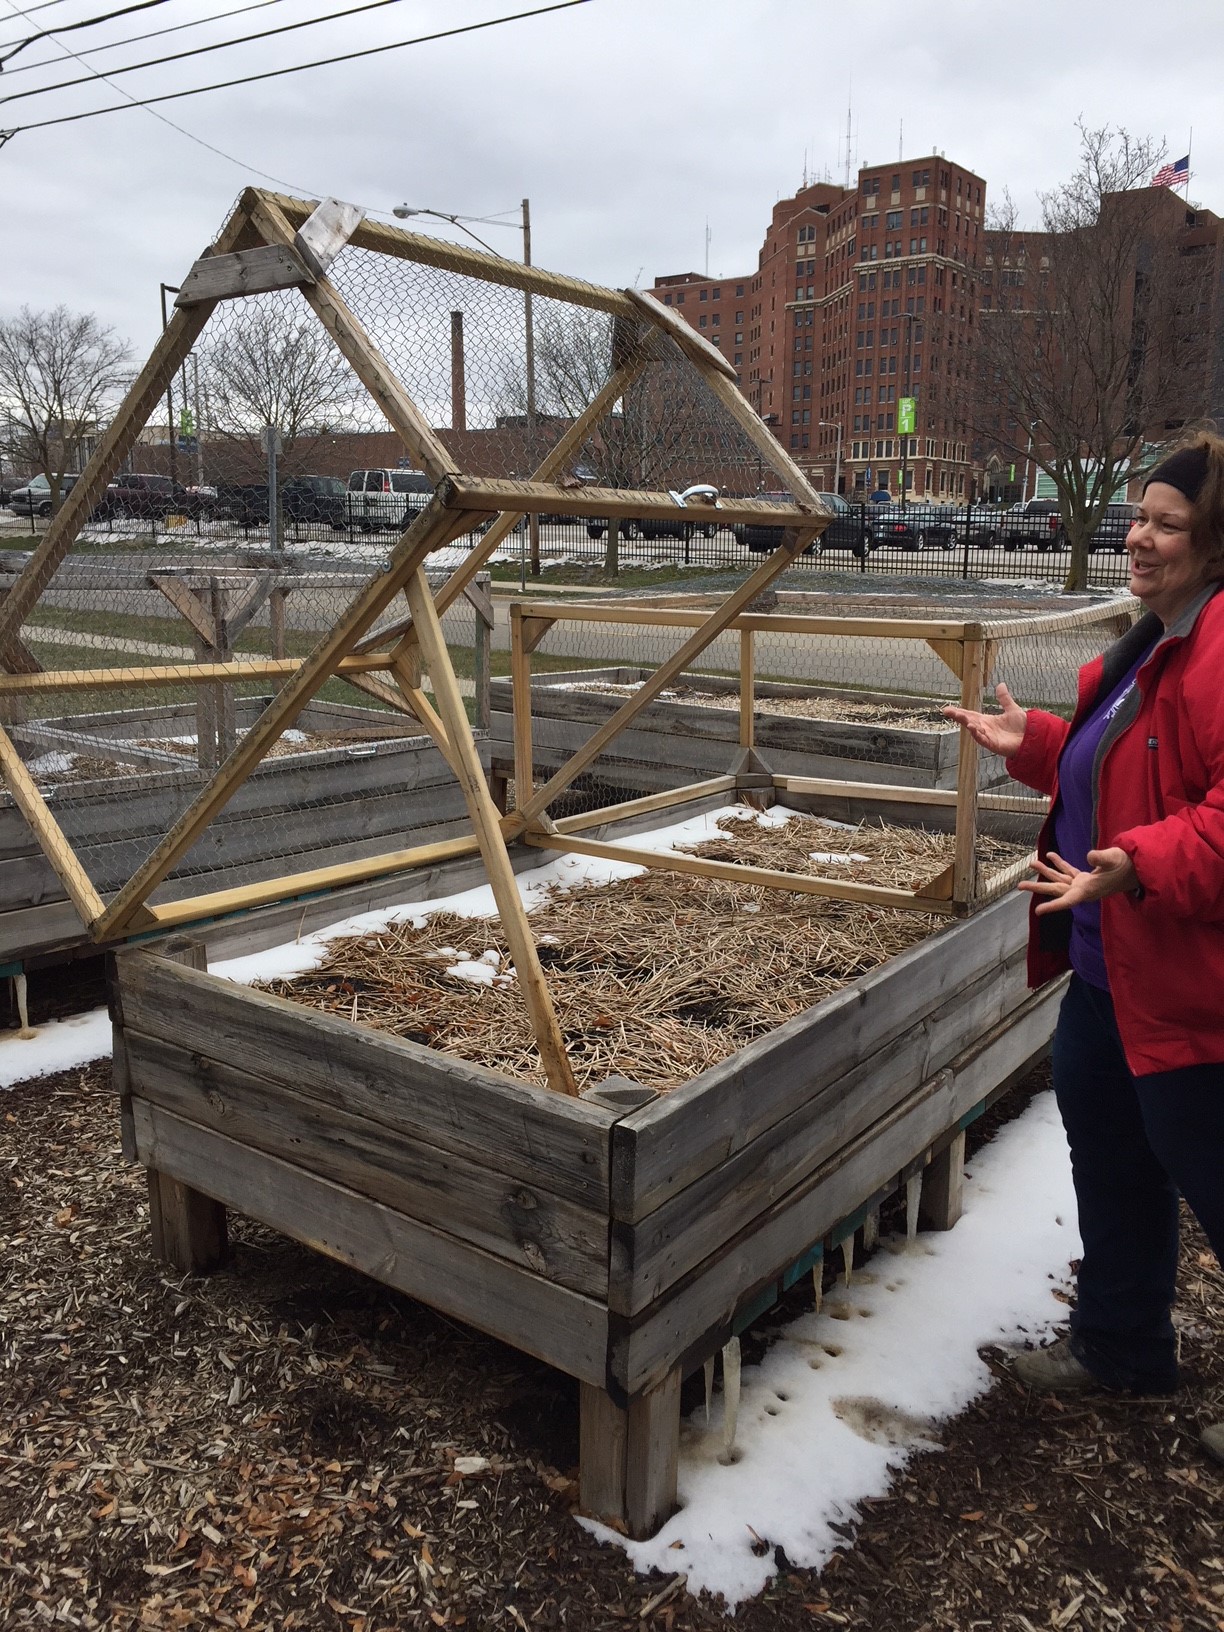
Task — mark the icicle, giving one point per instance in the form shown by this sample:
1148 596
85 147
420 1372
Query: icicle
709 1382
818 1284
847 1251
731 1396
871 1230
913 1199
19 981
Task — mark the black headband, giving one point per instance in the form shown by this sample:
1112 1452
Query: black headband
1186 470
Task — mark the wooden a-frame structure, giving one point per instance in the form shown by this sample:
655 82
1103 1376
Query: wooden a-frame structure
273 242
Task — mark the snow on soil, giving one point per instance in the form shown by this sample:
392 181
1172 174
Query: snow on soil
841 1400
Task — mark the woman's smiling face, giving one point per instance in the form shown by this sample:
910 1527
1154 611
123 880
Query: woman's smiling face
1166 571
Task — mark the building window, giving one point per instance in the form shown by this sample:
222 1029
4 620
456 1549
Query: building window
715 318
680 299
892 220
739 289
717 294
702 320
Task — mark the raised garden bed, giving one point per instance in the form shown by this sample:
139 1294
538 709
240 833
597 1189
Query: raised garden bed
623 1236
353 783
693 731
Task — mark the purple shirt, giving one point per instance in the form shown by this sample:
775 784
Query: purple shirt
1073 835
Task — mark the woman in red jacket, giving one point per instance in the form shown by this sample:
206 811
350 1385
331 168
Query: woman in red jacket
1129 894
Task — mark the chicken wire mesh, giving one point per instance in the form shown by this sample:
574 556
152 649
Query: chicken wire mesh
121 744
838 690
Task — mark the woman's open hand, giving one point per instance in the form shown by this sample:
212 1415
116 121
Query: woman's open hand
1066 886
1000 733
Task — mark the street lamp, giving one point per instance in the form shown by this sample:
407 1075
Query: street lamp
402 212
835 425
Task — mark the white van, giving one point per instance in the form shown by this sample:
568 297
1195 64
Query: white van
386 500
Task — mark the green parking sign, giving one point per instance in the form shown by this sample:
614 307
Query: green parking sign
906 416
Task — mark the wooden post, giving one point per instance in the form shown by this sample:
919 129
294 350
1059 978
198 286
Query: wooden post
487 824
520 691
943 1187
964 861
482 649
187 1228
59 852
276 621
628 1456
747 706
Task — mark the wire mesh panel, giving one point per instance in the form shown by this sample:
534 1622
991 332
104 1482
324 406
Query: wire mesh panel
832 699
184 708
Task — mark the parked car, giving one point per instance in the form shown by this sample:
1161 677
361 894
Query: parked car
386 500
148 497
311 499
980 527
1113 528
34 499
913 526
666 526
1034 525
847 531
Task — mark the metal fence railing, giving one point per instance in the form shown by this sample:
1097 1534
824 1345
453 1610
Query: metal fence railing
969 542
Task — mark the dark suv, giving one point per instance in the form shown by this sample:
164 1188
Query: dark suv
149 497
317 499
1112 529
847 530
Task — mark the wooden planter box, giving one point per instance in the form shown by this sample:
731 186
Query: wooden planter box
317 806
673 743
621 1237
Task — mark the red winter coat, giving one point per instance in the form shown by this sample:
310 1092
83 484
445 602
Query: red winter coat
1159 797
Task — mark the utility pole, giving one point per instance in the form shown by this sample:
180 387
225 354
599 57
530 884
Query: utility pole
533 521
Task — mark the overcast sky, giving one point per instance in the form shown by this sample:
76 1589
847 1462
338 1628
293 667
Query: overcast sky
630 124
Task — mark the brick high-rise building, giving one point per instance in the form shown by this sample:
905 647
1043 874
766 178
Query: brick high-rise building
860 297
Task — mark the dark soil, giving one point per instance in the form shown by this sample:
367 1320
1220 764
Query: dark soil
282 1445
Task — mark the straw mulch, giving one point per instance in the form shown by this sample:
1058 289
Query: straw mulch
842 710
655 977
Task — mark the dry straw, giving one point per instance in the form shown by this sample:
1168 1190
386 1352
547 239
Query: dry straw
654 977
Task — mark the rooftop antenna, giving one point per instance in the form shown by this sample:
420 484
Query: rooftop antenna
849 104
805 153
900 140
707 242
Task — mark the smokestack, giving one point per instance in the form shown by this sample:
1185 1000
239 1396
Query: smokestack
458 381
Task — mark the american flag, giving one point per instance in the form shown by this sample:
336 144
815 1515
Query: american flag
1172 175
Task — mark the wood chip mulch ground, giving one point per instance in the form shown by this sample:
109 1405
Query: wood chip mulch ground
289 1445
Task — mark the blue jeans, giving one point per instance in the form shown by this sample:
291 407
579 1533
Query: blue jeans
1135 1143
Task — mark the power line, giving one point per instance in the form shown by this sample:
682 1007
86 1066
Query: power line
163 119
86 22
299 68
153 33
203 50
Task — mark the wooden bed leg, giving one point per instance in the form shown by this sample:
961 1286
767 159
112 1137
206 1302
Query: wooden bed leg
628 1457
943 1187
188 1229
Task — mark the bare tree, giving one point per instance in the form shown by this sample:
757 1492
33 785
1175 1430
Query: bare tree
1088 345
59 374
267 364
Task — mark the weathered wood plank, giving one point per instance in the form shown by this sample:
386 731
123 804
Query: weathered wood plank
245 272
536 1136
643 1350
557 1326
651 1255
943 1186
669 1144
652 1455
474 1202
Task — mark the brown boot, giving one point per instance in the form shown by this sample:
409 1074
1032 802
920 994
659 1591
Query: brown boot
1055 1370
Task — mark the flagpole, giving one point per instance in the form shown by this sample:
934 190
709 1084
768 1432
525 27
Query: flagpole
1189 155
